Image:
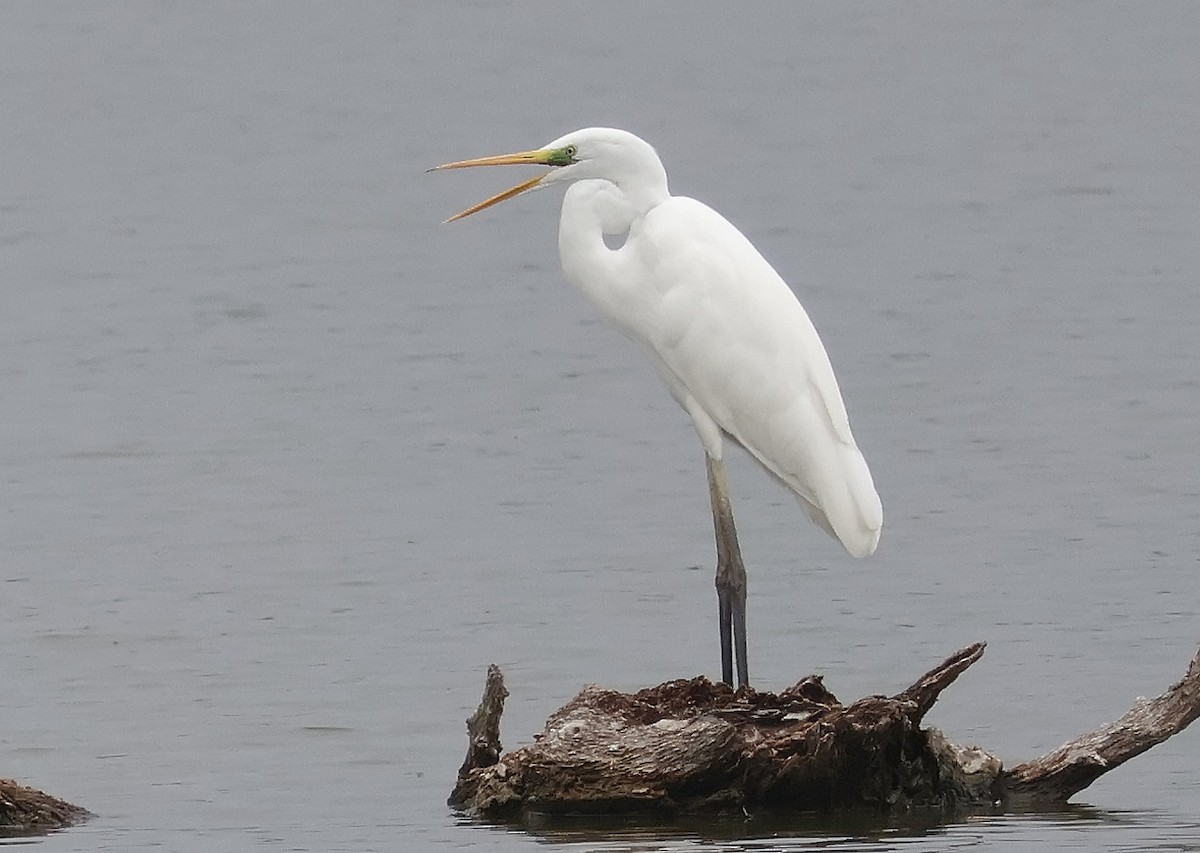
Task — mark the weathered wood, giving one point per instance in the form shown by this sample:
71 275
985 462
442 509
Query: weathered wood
926 689
1059 774
691 746
483 737
26 811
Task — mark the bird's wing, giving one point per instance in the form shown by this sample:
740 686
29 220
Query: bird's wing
731 332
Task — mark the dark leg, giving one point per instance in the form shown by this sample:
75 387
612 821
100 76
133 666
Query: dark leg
731 578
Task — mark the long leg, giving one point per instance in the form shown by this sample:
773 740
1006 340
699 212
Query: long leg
731 577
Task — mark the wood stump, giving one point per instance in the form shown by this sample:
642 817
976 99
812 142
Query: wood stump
694 747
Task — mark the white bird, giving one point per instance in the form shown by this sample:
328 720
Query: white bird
727 335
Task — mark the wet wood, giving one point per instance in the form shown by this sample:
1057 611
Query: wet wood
27 811
691 746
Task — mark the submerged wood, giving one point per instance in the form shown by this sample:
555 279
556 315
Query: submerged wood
692 746
26 811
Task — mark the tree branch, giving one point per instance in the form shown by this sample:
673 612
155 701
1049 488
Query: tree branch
925 691
1054 777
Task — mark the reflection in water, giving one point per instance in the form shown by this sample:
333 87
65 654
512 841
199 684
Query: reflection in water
1072 828
863 829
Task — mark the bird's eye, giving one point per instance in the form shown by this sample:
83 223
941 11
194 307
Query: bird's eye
564 156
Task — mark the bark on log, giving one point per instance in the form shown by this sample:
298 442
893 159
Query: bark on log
697 747
27 811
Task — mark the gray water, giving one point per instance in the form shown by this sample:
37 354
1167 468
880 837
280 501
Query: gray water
285 462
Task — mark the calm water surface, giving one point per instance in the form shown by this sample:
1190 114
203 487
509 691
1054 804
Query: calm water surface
285 463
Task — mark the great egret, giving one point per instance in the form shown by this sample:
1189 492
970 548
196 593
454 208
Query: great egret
728 337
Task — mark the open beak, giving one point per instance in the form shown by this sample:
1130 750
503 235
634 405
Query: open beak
521 158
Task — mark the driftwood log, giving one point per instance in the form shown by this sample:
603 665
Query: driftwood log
27 811
694 747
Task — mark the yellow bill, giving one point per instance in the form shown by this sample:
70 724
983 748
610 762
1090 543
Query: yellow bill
541 157
497 198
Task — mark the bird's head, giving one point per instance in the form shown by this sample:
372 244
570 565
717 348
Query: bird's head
595 152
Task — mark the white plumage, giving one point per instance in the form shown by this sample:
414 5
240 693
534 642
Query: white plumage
726 334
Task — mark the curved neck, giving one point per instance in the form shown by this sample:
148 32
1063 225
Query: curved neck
646 188
591 209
